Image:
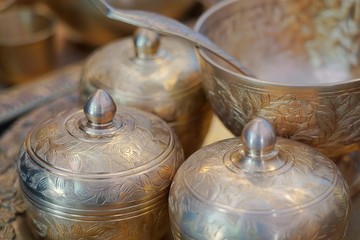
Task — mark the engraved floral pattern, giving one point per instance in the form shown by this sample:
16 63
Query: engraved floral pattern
327 121
145 147
140 194
153 226
292 117
290 42
208 201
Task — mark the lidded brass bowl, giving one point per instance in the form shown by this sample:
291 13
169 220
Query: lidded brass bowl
104 174
156 74
258 187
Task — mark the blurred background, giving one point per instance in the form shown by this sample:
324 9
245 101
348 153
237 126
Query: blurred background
40 37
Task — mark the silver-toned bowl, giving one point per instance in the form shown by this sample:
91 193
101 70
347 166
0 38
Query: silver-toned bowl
104 174
305 57
258 187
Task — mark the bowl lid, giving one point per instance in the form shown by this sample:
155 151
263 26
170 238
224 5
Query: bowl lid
259 173
100 139
145 66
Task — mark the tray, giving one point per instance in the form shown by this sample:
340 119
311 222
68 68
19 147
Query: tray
13 223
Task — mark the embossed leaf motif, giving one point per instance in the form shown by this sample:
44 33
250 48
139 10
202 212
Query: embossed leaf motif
125 192
329 123
163 175
166 172
146 185
87 230
93 231
250 102
218 98
312 230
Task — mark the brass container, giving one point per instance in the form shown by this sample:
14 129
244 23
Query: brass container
27 45
104 174
305 57
259 187
156 74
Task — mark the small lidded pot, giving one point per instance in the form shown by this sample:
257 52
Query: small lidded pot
157 74
100 173
259 187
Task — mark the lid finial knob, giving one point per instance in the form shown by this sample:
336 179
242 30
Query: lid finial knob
258 148
258 137
100 108
146 43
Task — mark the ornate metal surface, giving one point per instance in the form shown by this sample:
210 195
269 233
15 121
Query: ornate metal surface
258 190
327 119
15 226
99 173
304 87
156 74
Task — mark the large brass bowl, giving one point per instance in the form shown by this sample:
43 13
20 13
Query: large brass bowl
305 55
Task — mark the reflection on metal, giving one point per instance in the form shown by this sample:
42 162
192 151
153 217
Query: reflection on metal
304 58
258 187
157 74
99 173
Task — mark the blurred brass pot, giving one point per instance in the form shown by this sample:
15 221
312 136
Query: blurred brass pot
157 74
89 26
307 63
27 47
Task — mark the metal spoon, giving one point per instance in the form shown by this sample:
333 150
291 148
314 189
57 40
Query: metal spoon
168 26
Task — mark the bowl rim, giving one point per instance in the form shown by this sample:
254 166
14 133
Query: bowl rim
28 16
225 4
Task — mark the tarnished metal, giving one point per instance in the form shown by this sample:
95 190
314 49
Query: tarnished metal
156 74
99 175
259 187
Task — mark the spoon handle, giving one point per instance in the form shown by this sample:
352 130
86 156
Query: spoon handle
167 26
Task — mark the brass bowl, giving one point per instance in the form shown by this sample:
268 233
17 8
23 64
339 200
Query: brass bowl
87 24
306 59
